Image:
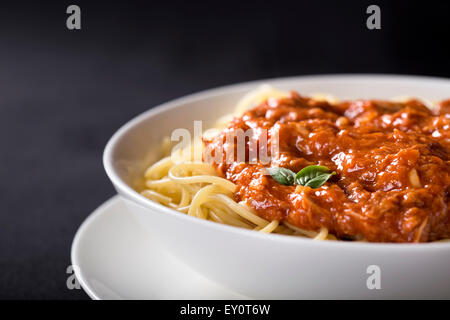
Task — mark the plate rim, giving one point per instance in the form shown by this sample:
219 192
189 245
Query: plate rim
94 294
76 242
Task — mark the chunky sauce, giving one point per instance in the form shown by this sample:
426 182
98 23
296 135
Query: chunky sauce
392 164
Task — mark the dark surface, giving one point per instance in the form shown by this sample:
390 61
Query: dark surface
63 93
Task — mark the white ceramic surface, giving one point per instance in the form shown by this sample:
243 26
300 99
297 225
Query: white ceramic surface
276 266
116 259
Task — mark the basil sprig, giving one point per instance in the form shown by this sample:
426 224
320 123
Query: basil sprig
310 176
313 176
282 175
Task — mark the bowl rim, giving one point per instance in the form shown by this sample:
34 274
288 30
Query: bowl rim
131 194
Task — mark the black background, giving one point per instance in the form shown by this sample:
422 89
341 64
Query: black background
63 93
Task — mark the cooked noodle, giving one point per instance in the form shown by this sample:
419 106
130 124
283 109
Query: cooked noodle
195 188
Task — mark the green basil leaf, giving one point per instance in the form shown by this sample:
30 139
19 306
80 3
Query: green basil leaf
313 176
282 175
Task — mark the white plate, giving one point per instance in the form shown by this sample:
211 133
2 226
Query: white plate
115 260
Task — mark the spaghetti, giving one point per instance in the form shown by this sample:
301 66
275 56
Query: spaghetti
199 189
195 188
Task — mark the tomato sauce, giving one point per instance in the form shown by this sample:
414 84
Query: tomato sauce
391 160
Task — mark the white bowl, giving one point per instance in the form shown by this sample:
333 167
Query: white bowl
271 266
